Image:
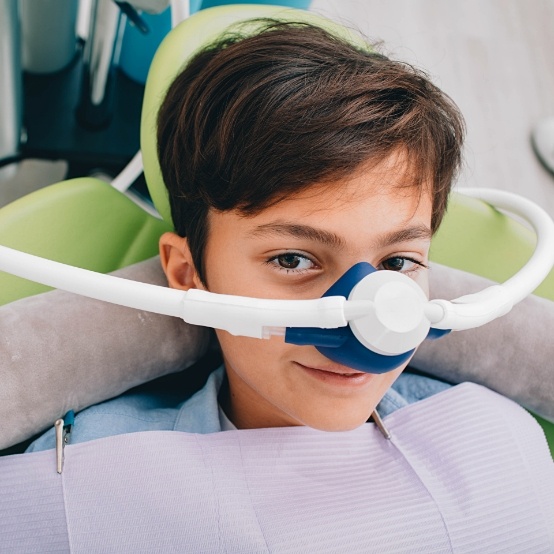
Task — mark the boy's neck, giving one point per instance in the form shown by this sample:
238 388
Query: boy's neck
241 417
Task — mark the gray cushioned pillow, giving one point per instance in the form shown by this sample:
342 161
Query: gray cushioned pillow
513 355
61 351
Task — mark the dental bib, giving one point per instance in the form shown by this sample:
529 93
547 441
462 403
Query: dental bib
465 471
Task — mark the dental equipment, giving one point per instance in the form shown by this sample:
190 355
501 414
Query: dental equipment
368 320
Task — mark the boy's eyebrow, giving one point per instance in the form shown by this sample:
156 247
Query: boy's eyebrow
299 231
327 238
407 234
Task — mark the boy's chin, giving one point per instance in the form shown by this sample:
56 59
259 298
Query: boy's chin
339 425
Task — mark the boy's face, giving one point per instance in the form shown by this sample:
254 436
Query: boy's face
297 249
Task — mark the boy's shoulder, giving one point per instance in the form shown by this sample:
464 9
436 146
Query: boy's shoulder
142 411
410 387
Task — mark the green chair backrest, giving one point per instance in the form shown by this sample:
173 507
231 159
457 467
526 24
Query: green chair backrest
82 222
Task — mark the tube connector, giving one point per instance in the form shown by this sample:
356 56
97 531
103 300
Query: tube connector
473 310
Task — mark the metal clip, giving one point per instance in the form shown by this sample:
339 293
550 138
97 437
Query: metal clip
63 428
380 425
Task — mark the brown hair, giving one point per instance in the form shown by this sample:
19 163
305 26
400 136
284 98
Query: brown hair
250 121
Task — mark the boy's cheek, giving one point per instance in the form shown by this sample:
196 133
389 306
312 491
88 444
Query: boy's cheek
265 366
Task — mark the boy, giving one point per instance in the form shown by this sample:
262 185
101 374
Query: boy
289 156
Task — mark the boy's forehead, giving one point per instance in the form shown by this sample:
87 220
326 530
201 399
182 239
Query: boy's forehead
377 206
369 208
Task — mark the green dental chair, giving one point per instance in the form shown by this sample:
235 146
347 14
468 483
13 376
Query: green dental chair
87 223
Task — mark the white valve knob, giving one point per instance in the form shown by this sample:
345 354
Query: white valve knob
398 323
398 307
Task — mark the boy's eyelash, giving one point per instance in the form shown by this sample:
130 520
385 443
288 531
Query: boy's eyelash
417 263
272 262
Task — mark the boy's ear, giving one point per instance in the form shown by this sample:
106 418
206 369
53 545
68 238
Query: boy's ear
176 260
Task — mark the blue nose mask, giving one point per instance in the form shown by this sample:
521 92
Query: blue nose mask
340 344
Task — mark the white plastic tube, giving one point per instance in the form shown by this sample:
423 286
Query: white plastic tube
108 288
251 317
129 174
541 262
256 317
474 310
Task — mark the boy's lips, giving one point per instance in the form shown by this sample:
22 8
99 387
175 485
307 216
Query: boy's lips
337 375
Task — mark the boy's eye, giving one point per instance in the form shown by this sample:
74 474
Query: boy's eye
400 263
291 261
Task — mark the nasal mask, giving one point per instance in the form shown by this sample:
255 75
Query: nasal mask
368 320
